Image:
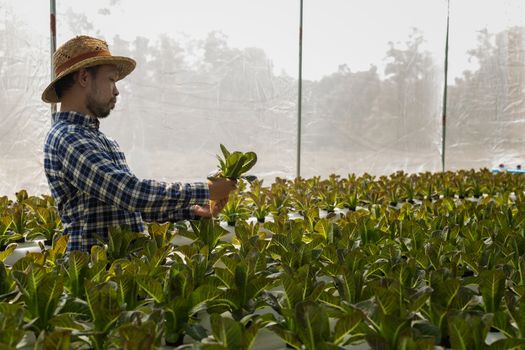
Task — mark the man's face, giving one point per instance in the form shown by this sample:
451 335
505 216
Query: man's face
102 92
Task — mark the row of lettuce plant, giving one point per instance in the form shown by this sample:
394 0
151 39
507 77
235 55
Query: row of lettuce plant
438 268
336 192
28 218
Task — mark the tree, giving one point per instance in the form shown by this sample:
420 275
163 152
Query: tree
338 107
486 104
411 92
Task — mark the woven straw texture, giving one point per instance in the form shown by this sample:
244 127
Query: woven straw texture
82 52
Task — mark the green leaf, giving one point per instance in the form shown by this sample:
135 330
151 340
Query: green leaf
419 298
388 300
250 161
8 251
160 232
324 228
407 342
288 336
236 162
41 292
203 295
428 329
59 248
138 336
127 290
208 232
250 332
444 291
226 331
98 254
346 325
49 292
468 330
74 307
76 272
103 305
28 282
152 287
492 286
516 310
6 282
312 323
196 331
241 282
5 222
11 322
57 340
332 301
507 344
376 342
66 321
121 241
225 151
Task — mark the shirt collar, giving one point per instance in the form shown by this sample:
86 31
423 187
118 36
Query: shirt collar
77 118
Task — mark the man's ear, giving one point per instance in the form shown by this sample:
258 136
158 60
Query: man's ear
82 77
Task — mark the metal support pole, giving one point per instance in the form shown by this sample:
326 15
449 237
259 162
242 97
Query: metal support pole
300 80
444 120
53 32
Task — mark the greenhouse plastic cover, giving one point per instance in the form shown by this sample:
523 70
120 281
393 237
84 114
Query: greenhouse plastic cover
210 72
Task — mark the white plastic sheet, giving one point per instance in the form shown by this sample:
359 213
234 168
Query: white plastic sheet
226 72
24 119
380 110
192 89
486 114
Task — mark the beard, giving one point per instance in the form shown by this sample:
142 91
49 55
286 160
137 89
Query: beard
99 109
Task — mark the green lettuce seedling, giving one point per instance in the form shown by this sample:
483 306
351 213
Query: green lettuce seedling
234 164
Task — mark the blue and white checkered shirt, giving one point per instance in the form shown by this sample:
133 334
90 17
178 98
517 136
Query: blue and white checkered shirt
94 188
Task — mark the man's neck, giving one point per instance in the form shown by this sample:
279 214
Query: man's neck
71 103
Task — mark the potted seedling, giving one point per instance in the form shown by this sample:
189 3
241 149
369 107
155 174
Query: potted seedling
7 237
350 198
235 210
330 200
19 222
45 224
259 197
232 165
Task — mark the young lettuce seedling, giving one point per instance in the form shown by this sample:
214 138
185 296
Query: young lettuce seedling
234 165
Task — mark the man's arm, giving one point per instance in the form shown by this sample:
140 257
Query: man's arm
91 169
172 216
193 213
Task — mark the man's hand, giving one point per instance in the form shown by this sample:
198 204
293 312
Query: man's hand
221 188
208 211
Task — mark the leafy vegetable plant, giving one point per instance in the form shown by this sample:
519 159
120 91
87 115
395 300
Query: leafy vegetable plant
234 164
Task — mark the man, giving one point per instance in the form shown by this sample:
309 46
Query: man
87 173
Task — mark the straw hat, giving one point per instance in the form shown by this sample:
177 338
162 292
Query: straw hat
82 52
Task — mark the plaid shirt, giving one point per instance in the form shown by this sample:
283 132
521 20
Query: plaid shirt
94 188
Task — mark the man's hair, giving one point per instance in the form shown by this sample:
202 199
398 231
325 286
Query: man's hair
68 81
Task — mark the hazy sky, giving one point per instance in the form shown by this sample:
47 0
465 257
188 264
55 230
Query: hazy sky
352 32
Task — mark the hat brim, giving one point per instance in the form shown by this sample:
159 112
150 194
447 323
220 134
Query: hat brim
125 66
